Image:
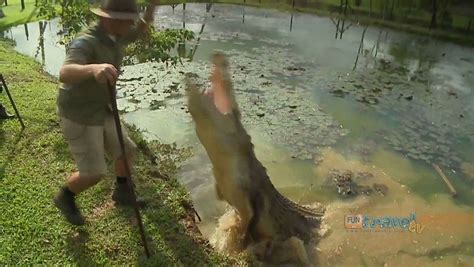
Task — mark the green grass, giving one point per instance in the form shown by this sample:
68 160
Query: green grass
14 15
35 163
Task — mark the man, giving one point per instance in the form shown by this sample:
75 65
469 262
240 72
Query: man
92 64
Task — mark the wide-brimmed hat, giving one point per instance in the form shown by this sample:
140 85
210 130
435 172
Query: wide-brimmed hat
117 9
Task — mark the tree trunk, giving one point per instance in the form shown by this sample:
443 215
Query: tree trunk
339 18
433 16
406 14
345 7
391 10
384 8
445 17
370 7
344 20
22 4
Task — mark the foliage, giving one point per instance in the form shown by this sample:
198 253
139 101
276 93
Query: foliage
158 45
73 15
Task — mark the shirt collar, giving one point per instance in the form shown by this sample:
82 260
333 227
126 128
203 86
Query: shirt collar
105 38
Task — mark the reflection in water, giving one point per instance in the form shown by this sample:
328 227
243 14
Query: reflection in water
26 31
193 50
40 47
376 47
341 19
372 55
42 38
184 15
173 6
361 48
291 22
342 28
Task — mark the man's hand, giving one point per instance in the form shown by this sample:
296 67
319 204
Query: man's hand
105 73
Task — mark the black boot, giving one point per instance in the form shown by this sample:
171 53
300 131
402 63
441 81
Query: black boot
123 197
4 114
65 202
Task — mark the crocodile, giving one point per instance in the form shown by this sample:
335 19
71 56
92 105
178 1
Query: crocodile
266 216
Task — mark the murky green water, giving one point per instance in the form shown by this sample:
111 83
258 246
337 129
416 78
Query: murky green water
408 103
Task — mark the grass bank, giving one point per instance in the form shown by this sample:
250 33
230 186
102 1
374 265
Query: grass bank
35 162
15 16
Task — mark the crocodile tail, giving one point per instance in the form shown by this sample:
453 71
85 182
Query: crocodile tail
316 213
287 217
307 212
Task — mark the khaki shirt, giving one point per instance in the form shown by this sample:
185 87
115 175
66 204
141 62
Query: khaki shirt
87 102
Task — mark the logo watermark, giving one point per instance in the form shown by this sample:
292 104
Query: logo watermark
366 223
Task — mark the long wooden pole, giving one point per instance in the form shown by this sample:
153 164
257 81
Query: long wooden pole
113 101
12 102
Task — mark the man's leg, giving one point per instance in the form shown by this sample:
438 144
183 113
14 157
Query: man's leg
121 194
77 183
65 199
120 168
86 144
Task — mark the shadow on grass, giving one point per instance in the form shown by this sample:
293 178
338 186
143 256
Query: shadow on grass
11 153
186 250
59 146
76 247
168 240
62 150
174 239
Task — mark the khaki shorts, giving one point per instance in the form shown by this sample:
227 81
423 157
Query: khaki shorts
88 145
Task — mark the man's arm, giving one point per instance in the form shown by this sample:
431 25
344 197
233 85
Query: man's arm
77 67
150 11
143 23
74 73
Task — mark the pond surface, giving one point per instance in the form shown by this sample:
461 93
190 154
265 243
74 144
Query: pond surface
373 110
